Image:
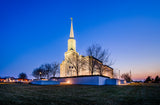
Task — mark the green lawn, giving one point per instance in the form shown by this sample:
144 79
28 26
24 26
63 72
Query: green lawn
26 94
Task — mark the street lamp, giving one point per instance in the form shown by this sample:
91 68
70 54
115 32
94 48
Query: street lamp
40 73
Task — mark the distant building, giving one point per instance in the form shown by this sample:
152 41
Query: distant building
12 79
2 79
73 62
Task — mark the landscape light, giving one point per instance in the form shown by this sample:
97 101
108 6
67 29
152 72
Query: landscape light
68 81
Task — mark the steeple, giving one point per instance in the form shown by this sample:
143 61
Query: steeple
71 30
71 40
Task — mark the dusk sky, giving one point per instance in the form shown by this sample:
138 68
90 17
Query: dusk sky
34 32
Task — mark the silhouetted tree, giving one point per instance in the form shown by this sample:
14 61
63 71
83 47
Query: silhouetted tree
22 76
55 68
46 70
126 77
95 51
157 79
38 73
148 79
51 69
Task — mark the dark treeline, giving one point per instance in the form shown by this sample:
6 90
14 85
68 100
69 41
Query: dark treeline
151 80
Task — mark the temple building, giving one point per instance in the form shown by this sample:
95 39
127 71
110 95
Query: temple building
79 65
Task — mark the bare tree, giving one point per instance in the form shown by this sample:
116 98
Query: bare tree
157 79
46 70
76 62
92 64
127 77
96 52
50 69
55 68
22 76
148 80
38 73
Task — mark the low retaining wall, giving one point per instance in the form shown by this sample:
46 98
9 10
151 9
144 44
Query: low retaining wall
85 80
112 82
81 80
42 82
90 80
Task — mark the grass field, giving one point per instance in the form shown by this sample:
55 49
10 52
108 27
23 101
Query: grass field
26 94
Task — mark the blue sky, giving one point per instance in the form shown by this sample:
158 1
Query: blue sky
34 32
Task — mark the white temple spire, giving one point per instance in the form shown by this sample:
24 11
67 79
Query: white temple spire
71 40
71 31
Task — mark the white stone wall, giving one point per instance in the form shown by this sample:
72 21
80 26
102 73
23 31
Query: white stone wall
91 80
